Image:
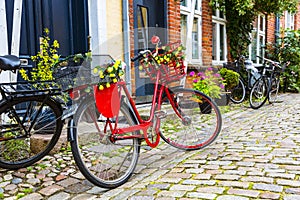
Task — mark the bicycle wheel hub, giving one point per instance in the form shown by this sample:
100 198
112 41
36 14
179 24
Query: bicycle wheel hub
186 120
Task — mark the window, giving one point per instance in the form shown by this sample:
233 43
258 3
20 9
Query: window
289 20
142 27
191 29
258 36
219 44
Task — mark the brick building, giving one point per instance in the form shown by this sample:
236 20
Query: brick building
122 28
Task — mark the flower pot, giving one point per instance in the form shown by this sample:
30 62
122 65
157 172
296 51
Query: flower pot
223 100
107 100
205 107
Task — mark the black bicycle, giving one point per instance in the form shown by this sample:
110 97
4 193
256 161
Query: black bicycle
28 111
238 93
267 86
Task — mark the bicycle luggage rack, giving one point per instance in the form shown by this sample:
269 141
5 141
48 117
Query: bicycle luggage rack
21 89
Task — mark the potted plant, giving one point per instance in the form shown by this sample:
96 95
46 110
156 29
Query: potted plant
208 82
106 91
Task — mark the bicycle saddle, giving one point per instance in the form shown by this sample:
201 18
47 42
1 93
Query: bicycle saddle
9 62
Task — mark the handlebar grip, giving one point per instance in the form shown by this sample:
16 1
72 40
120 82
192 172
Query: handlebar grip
137 57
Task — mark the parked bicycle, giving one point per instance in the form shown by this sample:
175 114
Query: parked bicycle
238 93
31 112
267 87
106 149
27 111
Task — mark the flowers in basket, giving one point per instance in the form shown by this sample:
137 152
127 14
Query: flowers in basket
171 55
109 75
207 82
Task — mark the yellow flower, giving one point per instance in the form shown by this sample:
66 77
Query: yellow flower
95 71
112 75
141 67
115 80
101 87
116 66
101 74
55 56
109 69
118 62
108 85
55 44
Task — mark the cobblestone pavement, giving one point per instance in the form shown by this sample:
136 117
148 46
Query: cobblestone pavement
256 156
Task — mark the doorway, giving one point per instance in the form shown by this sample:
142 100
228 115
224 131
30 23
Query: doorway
150 18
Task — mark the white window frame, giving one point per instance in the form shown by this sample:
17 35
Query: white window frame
289 20
220 21
191 15
260 33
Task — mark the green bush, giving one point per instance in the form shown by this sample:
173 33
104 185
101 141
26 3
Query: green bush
286 49
230 77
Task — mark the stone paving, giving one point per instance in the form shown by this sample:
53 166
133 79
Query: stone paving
256 156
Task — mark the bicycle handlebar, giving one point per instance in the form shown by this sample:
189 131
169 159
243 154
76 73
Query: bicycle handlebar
277 64
140 55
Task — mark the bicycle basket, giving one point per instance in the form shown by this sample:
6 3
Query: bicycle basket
232 66
65 72
171 63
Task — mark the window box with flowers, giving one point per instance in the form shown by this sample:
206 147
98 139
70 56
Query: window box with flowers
210 83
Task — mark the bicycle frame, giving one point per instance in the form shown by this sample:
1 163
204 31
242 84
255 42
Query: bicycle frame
143 125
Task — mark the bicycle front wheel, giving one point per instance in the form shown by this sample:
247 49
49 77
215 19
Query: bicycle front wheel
195 123
273 94
29 129
238 93
103 161
259 93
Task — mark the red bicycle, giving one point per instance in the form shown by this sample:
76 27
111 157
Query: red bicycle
106 147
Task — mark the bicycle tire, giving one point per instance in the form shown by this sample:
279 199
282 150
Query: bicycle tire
259 93
197 124
238 93
273 94
103 162
43 115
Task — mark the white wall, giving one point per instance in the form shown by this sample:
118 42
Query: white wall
15 48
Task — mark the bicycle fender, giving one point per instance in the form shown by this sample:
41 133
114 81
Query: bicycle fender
71 129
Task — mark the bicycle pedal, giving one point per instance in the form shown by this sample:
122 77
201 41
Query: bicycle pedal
161 114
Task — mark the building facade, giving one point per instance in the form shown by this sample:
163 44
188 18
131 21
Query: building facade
122 28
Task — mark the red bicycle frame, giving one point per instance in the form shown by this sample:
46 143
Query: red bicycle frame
119 133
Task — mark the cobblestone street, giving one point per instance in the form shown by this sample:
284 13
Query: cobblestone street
256 156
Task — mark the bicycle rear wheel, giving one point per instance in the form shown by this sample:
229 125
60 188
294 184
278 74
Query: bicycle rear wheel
197 122
29 129
104 162
238 93
259 93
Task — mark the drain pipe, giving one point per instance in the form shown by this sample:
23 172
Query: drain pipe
126 39
277 27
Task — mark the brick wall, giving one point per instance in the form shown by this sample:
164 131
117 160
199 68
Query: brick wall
297 19
206 33
174 20
271 27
